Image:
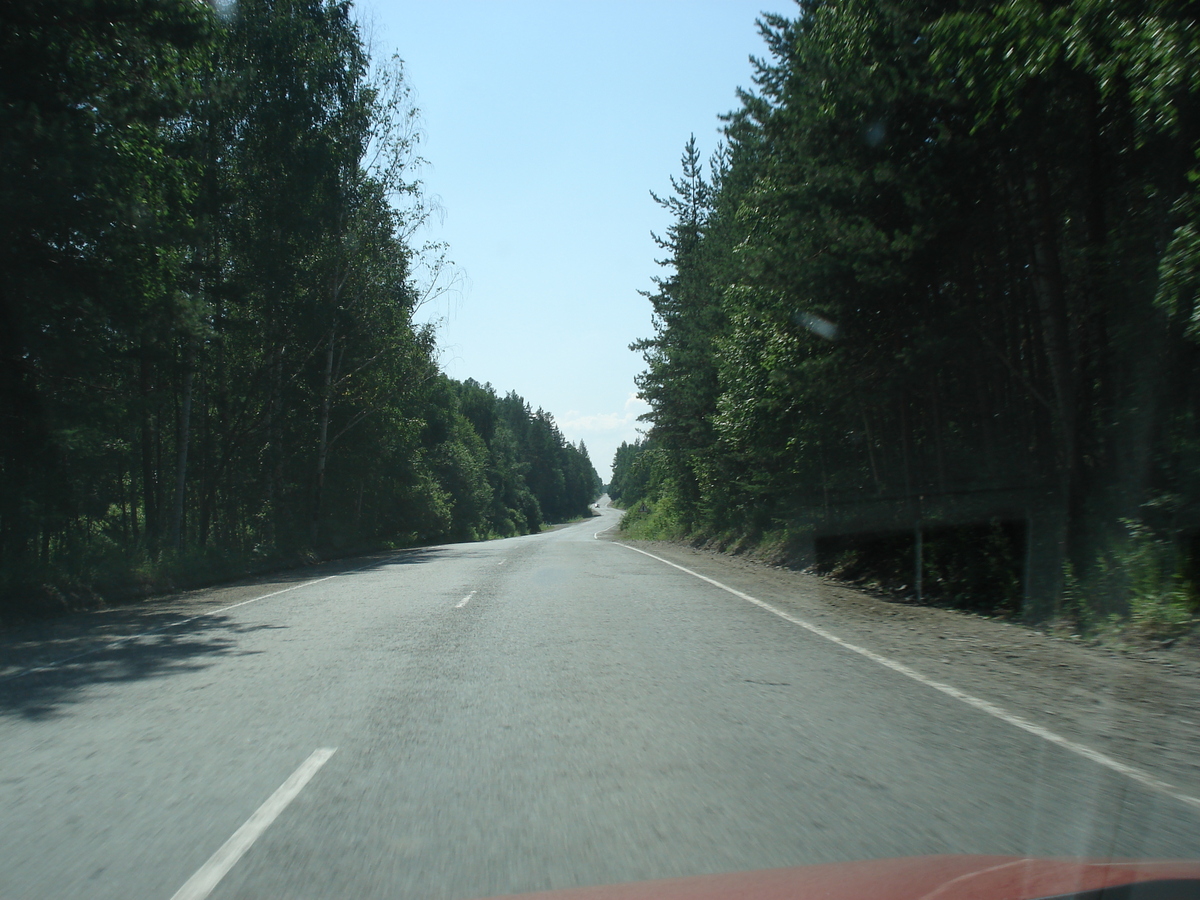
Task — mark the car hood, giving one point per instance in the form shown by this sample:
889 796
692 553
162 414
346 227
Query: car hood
921 878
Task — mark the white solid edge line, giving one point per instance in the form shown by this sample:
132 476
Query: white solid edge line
596 536
209 875
212 612
465 600
1139 775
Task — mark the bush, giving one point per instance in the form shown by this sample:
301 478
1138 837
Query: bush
1159 601
659 519
1139 584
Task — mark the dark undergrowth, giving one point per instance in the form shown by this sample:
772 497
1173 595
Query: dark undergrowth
1145 592
976 568
42 593
114 579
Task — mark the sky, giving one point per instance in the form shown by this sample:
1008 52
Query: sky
546 126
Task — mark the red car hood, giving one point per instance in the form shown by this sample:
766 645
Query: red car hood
919 878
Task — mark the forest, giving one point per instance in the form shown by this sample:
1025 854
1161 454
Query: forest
946 251
214 245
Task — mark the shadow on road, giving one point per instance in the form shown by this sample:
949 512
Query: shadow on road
42 693
49 664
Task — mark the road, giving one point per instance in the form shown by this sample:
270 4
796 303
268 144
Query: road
523 714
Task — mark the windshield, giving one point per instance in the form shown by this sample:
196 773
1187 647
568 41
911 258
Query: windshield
470 449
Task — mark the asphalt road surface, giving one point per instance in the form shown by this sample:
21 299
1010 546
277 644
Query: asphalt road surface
533 713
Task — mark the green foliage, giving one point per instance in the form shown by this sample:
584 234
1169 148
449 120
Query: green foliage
634 473
680 382
1141 586
208 275
535 474
1145 570
658 519
947 250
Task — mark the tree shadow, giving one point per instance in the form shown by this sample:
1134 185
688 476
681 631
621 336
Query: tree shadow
41 692
47 664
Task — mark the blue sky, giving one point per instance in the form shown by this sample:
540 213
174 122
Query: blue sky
546 125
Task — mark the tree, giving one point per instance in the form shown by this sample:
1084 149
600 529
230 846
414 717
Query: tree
680 381
94 204
953 251
212 256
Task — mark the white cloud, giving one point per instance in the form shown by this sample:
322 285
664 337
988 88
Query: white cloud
604 432
602 423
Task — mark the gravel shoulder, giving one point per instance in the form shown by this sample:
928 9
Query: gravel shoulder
1141 707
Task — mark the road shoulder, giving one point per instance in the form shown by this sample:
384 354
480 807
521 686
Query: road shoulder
1142 708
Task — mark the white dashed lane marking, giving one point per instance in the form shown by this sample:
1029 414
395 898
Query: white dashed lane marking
209 875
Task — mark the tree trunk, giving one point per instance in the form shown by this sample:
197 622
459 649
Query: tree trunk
205 449
185 416
149 504
938 450
1044 586
274 456
133 506
870 441
1055 322
23 444
323 443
